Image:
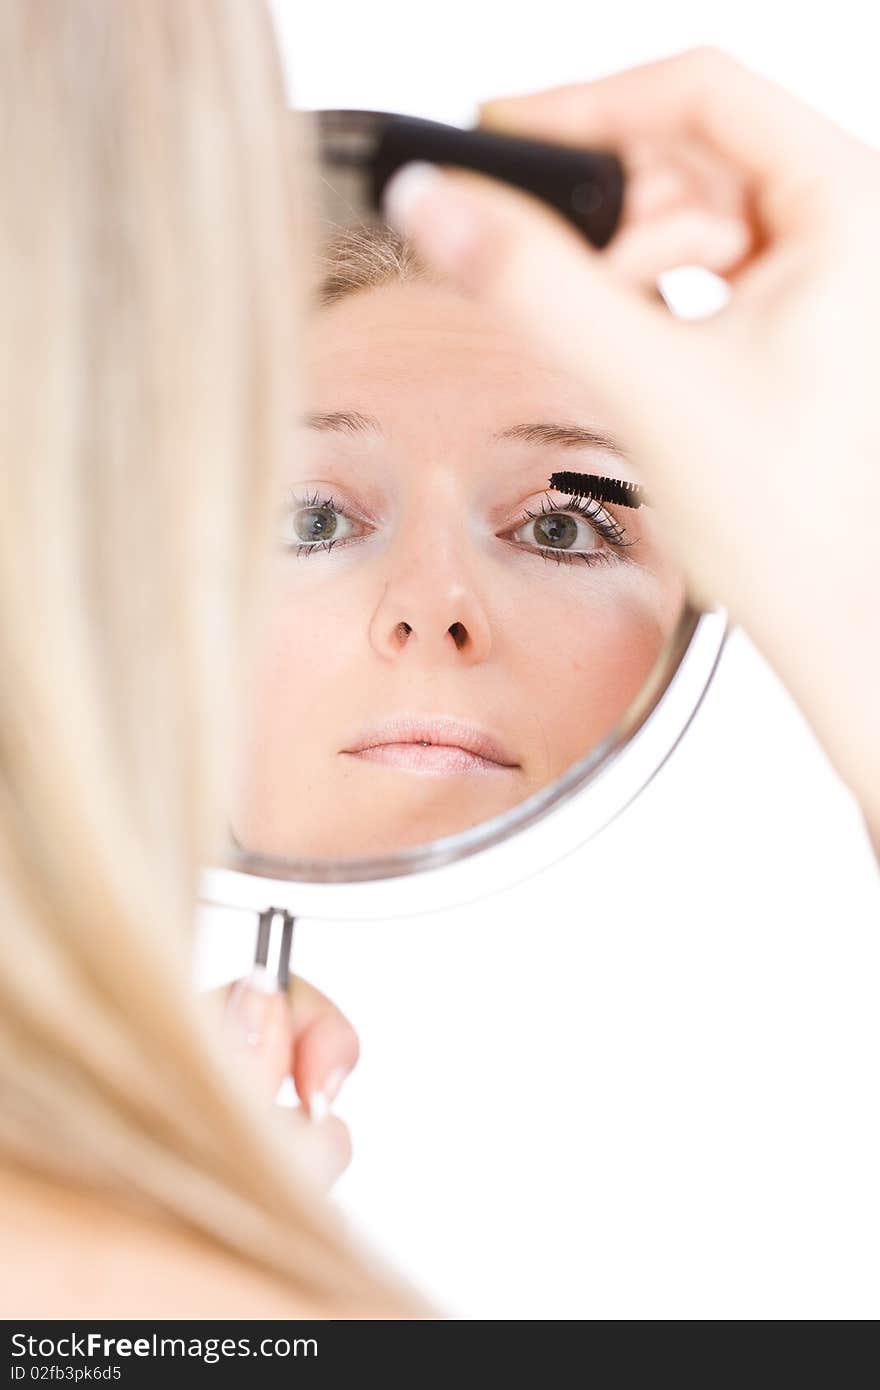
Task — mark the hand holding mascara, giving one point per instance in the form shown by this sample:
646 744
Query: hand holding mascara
734 421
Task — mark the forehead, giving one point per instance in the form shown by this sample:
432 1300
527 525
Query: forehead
409 353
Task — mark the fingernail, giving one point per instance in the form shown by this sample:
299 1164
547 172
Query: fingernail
333 1084
319 1102
419 202
249 1004
405 190
319 1107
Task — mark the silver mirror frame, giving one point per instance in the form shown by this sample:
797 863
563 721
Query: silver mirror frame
502 852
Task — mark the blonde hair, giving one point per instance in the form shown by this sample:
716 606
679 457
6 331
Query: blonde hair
149 298
367 256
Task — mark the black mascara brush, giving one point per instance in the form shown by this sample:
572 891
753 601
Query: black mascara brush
600 489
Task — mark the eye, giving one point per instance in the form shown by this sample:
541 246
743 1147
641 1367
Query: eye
316 523
580 529
557 531
324 523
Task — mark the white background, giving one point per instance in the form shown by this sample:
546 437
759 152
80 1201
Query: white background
645 1084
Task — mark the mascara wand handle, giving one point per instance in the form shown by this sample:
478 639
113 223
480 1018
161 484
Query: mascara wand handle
586 186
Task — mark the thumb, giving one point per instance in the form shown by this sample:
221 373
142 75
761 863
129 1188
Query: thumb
506 248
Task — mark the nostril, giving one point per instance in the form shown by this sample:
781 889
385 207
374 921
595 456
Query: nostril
458 633
403 631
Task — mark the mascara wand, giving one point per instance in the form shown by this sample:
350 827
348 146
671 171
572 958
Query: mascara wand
600 489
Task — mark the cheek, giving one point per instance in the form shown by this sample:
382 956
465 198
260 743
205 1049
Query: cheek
615 643
310 649
307 650
582 659
309 634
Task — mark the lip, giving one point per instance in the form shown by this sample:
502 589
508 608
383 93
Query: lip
432 744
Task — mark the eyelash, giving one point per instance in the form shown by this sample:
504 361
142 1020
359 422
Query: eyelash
610 530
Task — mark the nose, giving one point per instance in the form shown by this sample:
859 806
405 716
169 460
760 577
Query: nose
435 618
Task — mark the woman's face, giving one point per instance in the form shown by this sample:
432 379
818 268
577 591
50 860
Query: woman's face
446 636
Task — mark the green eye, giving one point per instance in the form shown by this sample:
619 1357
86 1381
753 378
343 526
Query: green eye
558 531
314 524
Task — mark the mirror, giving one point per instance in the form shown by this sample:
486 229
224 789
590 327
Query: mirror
451 644
447 634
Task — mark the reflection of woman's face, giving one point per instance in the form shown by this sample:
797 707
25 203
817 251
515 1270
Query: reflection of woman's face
446 636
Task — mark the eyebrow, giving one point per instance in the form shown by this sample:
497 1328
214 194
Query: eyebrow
540 432
564 436
349 421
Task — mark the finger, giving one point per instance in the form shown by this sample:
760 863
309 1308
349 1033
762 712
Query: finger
759 127
700 195
307 1004
256 1022
323 1149
324 1055
652 190
714 181
324 1046
686 237
661 177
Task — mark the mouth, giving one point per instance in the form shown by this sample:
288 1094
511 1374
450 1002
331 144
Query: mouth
442 746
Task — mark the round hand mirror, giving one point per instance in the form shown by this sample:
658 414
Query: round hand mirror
468 664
